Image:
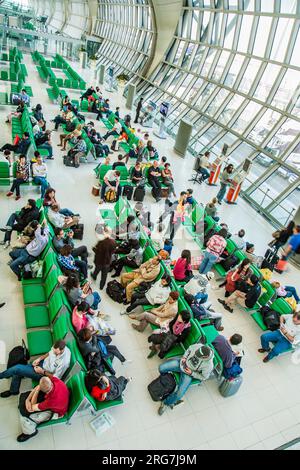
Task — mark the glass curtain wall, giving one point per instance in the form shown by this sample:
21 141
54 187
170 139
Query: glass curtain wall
127 32
233 70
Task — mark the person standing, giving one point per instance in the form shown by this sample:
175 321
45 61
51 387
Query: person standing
225 181
138 110
103 257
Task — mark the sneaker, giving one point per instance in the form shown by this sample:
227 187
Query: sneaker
124 312
221 328
162 409
152 353
261 350
222 301
2 304
179 402
229 309
10 193
24 437
219 202
266 359
7 394
6 245
101 201
17 198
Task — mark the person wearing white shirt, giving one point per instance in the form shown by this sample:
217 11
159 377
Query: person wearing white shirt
116 130
204 165
39 173
59 220
239 239
52 364
285 338
111 181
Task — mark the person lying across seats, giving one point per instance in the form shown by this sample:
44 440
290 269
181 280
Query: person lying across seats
160 316
147 294
47 400
285 291
147 272
97 351
68 263
196 363
22 256
247 295
178 331
59 220
104 387
54 363
20 147
18 221
204 312
83 316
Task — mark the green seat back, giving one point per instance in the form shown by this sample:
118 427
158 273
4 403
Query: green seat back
76 395
4 170
124 172
193 336
51 282
55 305
60 328
281 306
268 294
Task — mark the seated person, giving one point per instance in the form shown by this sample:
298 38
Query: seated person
115 131
179 329
17 113
61 239
156 294
285 291
239 239
129 230
246 297
101 149
235 276
223 346
78 151
103 387
196 363
59 220
72 136
52 364
160 316
285 338
22 177
39 116
111 181
96 353
154 174
211 209
80 293
198 286
118 162
22 256
236 343
137 174
50 199
168 179
21 147
249 252
43 141
134 259
39 173
204 165
63 118
50 397
147 272
18 221
68 263
183 270
89 92
204 312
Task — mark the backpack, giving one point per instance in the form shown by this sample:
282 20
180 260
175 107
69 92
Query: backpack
18 355
127 191
234 371
115 145
162 387
271 318
116 291
229 262
68 160
70 126
139 194
78 231
110 196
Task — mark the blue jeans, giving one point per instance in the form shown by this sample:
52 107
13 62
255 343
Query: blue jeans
66 212
207 262
281 344
41 180
291 292
48 147
205 173
17 373
221 192
20 257
173 365
97 300
202 297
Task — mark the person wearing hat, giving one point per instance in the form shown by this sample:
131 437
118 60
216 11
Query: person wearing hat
196 363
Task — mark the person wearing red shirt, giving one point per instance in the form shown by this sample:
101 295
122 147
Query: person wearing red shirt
182 270
50 397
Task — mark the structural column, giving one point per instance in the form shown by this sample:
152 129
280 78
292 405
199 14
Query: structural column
131 92
84 59
100 74
183 138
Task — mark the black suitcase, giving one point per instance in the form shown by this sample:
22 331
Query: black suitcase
139 194
229 262
18 355
116 291
78 231
162 387
270 259
128 191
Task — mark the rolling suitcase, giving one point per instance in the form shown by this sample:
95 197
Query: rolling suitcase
270 259
128 191
231 386
139 194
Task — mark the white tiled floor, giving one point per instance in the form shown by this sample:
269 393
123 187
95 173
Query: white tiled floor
264 414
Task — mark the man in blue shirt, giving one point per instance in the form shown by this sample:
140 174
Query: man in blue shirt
293 243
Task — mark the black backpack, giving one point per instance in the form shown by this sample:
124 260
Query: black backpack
115 291
162 387
78 231
127 191
139 194
18 355
271 318
229 262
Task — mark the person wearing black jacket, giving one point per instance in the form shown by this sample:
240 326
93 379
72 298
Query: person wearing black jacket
21 147
18 222
138 110
179 329
97 351
247 294
154 174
